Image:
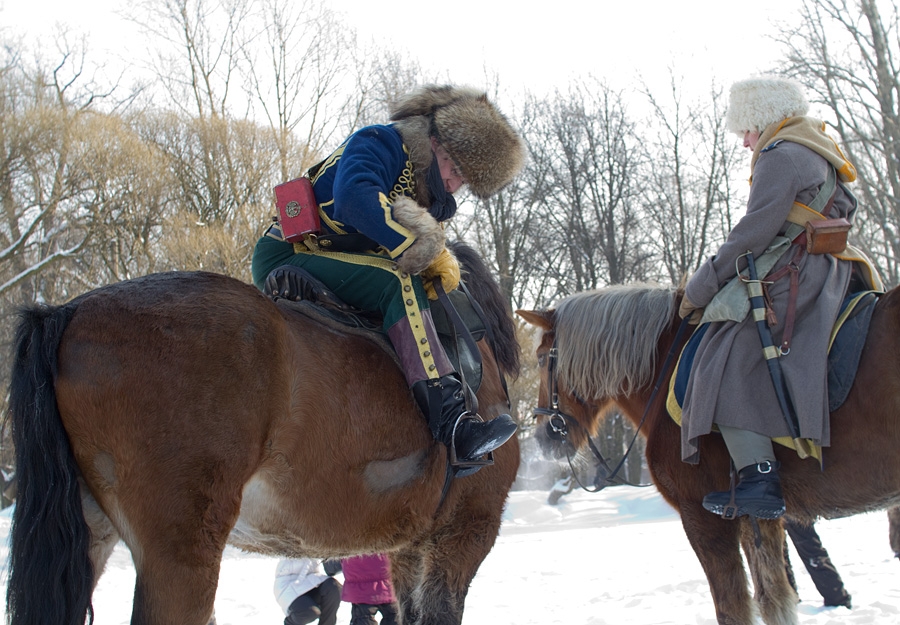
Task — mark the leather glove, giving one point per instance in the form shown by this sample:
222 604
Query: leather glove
689 309
445 268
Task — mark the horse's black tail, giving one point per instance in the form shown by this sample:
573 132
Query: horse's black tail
50 571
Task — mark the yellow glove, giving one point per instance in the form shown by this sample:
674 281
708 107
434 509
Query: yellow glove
444 268
688 308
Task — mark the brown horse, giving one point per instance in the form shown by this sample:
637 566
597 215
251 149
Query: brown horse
183 411
610 348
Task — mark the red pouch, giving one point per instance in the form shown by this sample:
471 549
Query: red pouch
298 212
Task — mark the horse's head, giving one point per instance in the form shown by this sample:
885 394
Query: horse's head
566 418
597 348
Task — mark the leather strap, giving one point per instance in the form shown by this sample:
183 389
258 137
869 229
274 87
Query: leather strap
792 269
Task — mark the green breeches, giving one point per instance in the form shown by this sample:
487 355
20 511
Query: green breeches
369 282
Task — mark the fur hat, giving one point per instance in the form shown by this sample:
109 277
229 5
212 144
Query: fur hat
757 102
476 135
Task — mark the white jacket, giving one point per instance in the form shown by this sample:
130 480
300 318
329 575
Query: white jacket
294 577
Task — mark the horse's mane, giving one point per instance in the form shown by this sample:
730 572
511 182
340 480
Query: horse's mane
485 290
607 338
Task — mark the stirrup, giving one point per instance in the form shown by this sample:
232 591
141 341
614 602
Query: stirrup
458 465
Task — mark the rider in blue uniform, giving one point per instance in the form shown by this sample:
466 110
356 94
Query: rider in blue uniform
383 196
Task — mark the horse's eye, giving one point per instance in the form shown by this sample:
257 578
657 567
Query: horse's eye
542 359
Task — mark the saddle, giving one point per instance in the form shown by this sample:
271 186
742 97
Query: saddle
301 291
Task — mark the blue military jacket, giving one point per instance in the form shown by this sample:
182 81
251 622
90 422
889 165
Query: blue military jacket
357 184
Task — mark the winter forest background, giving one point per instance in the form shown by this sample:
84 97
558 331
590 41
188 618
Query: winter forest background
172 168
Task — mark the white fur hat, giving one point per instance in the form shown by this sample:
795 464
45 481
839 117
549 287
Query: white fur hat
757 102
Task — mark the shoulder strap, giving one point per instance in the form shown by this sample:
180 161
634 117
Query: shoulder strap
826 192
801 213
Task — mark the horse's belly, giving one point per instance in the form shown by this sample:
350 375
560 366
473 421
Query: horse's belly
382 507
263 526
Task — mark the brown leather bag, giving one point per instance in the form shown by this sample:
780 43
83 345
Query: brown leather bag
827 236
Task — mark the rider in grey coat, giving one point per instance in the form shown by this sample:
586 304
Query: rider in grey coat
730 385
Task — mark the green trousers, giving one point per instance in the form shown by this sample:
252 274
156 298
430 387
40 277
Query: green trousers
369 282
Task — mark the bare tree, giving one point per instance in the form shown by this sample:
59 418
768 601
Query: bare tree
197 60
848 55
44 186
300 78
129 197
586 153
688 196
381 77
198 50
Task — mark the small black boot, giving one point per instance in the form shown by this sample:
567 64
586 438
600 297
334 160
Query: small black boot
465 434
758 494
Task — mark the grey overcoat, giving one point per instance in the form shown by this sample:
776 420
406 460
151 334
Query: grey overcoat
730 382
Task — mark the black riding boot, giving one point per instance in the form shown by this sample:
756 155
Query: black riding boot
465 434
758 494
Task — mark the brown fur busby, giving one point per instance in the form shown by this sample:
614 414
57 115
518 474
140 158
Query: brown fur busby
478 137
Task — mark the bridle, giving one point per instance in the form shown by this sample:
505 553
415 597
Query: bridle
558 421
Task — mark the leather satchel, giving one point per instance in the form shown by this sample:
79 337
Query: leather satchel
298 211
827 236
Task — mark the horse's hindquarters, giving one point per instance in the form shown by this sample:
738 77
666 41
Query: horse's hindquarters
165 391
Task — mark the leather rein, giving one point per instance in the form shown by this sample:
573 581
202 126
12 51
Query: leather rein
558 421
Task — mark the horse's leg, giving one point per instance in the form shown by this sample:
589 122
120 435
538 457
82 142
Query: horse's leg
776 598
460 544
406 576
175 526
717 545
894 529
431 580
446 577
104 535
715 541
171 590
177 544
177 530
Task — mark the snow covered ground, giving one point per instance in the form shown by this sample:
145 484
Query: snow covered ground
615 557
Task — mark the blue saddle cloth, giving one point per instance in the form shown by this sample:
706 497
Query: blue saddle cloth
849 337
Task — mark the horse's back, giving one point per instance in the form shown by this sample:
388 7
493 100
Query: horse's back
198 340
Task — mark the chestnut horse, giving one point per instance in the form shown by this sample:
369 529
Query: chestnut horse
183 411
611 347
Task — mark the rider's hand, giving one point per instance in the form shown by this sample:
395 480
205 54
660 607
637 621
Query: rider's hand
689 309
445 268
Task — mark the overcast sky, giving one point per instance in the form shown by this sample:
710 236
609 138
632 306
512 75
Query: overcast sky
532 47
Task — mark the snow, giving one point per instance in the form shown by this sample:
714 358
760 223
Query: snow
618 556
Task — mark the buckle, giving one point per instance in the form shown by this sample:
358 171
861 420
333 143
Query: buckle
274 232
730 512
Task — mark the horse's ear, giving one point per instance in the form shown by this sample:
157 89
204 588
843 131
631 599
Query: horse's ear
540 318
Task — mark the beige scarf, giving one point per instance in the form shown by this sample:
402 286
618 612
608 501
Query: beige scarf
807 132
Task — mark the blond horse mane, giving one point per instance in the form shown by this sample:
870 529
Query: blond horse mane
607 338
